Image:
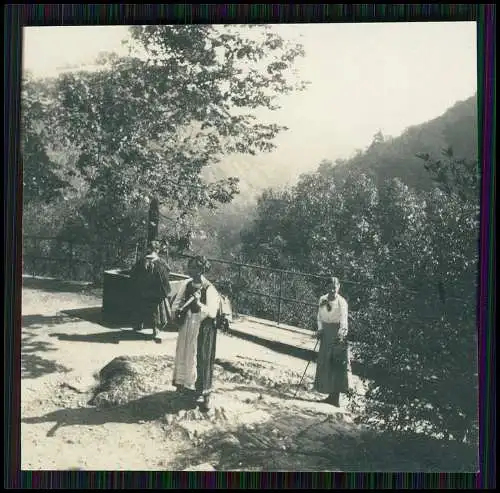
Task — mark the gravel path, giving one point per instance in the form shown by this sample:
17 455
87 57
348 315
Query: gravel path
256 423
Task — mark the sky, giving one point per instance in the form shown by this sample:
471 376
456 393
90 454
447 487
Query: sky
364 78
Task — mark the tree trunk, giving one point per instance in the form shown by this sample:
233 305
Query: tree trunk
153 220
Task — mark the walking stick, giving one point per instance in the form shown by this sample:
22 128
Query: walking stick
305 371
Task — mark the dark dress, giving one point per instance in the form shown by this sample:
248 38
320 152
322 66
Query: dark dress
332 362
151 288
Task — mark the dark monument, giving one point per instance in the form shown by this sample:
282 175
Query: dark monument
118 296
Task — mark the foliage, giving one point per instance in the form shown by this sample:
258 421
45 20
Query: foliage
401 236
408 264
43 181
147 125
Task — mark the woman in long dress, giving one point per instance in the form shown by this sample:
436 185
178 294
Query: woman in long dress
196 306
333 360
152 287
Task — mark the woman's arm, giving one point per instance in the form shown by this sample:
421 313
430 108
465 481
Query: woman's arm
319 321
344 321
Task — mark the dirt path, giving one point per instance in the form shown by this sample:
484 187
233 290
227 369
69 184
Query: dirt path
256 423
61 354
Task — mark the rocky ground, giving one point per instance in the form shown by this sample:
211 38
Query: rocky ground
95 397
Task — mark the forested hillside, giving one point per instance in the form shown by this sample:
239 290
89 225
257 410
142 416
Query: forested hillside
397 157
401 232
385 158
398 223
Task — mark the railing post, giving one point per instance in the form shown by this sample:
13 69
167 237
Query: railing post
136 252
33 269
71 264
279 297
238 288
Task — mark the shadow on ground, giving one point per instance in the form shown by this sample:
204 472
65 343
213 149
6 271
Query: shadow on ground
111 337
285 393
297 442
94 315
32 364
59 286
39 321
150 408
91 314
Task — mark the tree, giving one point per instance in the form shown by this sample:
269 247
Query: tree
421 360
43 180
146 125
408 264
264 240
378 139
325 227
453 176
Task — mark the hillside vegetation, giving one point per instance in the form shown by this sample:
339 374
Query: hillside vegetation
382 160
398 223
401 232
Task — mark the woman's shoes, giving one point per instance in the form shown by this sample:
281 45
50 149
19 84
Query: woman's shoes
206 404
156 337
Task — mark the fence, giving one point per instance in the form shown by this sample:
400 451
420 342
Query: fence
281 296
78 261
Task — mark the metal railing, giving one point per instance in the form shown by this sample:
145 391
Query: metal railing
285 297
75 260
281 296
277 289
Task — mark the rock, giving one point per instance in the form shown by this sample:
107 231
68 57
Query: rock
228 440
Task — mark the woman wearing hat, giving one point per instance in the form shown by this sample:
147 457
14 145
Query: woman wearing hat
196 306
333 362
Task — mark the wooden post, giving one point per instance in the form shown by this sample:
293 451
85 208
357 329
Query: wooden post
136 252
71 264
153 219
238 284
33 269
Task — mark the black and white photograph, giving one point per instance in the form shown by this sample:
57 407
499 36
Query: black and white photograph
250 247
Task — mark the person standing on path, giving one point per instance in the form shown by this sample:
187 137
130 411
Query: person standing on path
152 286
333 360
196 306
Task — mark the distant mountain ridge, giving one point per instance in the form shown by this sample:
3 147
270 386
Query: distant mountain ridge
397 157
391 157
